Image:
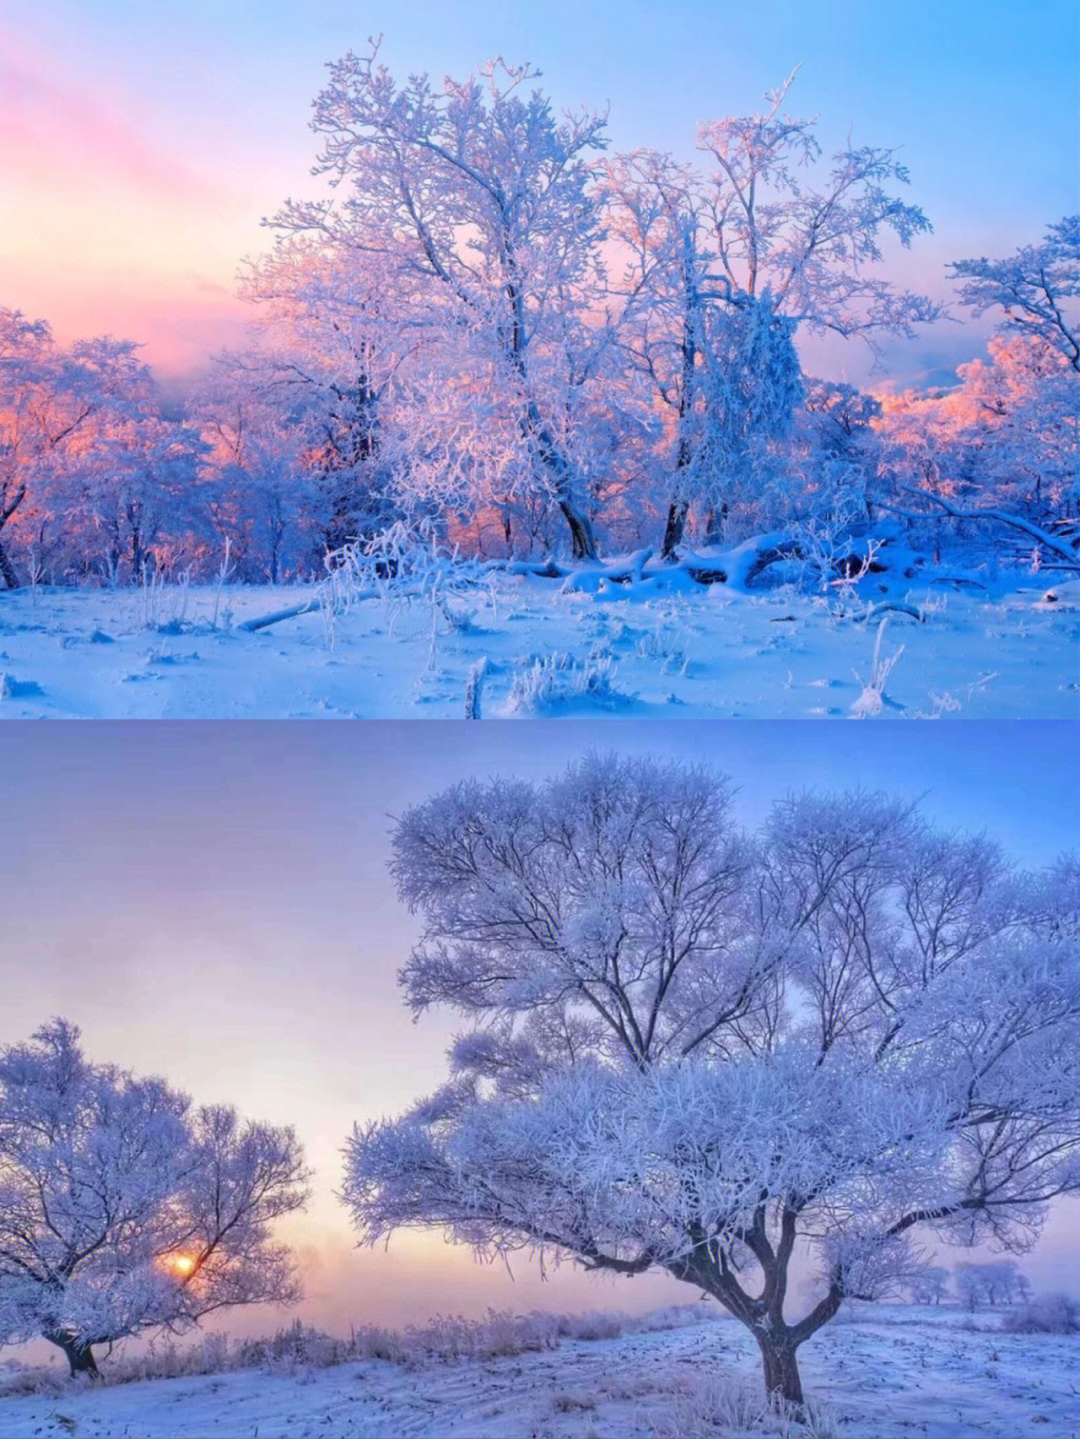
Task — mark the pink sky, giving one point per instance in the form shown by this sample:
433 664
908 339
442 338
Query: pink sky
143 147
108 231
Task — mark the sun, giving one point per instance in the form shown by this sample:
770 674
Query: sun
182 1264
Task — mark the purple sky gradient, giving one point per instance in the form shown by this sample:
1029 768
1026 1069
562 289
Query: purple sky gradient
143 144
210 902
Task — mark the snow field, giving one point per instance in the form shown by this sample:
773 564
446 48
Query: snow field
714 652
887 1371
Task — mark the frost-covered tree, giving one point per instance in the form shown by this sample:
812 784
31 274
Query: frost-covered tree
135 488
261 485
993 1283
338 328
930 1285
1002 446
125 1209
475 200
768 239
53 403
711 1053
1037 289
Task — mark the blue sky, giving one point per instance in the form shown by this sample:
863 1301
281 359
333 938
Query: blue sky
210 901
149 140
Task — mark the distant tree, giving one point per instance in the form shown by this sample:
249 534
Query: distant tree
338 330
137 489
1024 443
929 1285
1003 446
969 1286
1037 289
991 1283
1000 1280
52 404
706 1053
260 485
123 1208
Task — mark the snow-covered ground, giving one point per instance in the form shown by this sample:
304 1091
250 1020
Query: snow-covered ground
696 652
893 1371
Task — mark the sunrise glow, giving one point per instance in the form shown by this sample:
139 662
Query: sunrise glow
140 158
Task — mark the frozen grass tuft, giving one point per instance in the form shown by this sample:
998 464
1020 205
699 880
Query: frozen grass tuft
555 683
872 699
706 1408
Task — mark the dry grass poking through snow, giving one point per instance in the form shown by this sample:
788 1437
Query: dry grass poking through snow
499 1334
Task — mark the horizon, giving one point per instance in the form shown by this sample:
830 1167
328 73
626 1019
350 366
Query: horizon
144 149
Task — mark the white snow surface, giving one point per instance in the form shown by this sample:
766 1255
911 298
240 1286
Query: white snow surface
889 1371
551 650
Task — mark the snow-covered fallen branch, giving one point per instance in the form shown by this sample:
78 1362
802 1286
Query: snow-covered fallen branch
260 622
894 607
1055 545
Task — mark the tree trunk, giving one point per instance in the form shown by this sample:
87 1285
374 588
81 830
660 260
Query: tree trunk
678 508
781 1369
80 1356
7 570
581 531
673 530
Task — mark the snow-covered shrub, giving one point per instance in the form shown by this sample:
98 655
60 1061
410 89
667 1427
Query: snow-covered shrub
1048 1314
18 1379
574 1402
296 1346
592 1326
498 1333
674 1316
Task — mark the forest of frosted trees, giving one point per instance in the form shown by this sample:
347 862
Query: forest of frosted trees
499 338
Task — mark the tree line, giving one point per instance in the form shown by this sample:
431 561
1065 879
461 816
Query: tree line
504 338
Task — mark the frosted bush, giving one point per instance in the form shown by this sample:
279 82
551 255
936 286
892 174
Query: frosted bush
498 1333
297 1349
1049 1314
592 1326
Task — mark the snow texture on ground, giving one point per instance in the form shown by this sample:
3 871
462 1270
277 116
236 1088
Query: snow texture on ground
704 652
891 1371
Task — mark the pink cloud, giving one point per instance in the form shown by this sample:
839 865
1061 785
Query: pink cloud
52 128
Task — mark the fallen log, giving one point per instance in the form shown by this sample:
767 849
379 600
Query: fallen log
260 622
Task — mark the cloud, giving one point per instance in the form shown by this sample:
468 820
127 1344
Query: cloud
53 130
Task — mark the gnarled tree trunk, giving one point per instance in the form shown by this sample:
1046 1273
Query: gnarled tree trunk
80 1355
582 540
679 507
